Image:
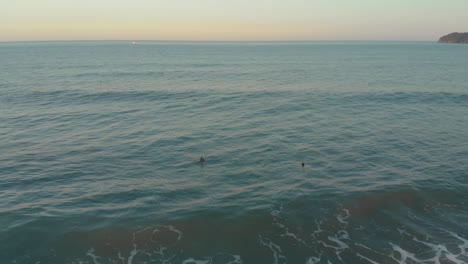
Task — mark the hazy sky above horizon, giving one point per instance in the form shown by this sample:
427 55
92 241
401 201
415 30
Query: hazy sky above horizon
231 20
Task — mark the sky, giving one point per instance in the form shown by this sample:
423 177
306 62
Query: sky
231 20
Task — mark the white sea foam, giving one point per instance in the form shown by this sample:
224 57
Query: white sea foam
169 227
366 258
440 251
237 260
359 228
275 249
132 254
341 246
161 252
91 254
167 260
287 233
404 255
318 231
313 260
370 249
119 256
403 232
175 230
343 217
195 261
463 247
276 213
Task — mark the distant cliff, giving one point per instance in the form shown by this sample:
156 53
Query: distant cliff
454 38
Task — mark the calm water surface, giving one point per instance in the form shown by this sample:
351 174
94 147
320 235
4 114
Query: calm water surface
100 142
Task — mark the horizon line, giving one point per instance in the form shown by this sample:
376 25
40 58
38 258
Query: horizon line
205 41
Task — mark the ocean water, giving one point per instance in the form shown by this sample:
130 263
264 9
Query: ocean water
100 145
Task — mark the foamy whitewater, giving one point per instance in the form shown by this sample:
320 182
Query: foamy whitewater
100 145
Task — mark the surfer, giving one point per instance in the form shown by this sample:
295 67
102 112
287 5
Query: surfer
202 159
302 163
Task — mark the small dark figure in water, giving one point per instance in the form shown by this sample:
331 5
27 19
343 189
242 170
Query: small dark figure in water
302 163
202 159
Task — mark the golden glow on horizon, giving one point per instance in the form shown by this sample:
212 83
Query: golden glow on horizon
230 20
175 31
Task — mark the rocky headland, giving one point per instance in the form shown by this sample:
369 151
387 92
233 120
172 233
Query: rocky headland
455 38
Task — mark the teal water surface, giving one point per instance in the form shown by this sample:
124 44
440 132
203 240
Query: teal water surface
100 142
